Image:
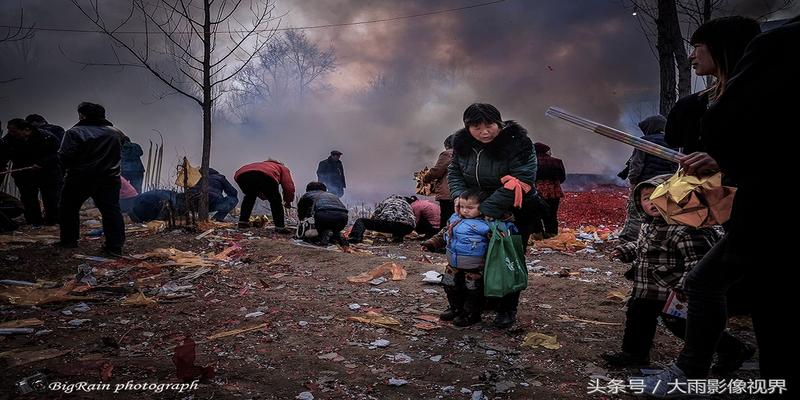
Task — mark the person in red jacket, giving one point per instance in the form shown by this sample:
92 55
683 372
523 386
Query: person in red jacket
261 179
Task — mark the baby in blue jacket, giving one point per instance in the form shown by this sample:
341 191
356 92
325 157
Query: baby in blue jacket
467 237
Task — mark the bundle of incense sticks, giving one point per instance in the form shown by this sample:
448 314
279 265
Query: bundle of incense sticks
11 171
620 136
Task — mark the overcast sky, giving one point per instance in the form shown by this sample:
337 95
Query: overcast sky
586 56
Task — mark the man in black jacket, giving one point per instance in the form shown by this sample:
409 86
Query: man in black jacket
331 172
90 154
33 156
40 123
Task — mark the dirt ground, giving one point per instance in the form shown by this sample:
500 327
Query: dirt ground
302 302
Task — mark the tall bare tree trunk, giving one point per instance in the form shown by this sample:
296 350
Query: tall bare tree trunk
665 24
671 55
707 17
681 58
207 105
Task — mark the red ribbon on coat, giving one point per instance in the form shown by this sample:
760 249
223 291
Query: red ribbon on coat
517 186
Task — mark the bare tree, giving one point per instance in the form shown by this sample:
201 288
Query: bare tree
288 65
16 35
194 47
660 22
667 23
307 60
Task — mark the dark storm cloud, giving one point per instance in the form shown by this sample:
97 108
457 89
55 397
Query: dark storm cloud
588 57
399 89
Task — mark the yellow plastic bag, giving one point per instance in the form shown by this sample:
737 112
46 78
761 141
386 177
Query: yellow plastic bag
193 177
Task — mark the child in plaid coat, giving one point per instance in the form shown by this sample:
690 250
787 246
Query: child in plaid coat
662 256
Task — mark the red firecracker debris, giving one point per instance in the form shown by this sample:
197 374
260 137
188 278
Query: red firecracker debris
184 358
596 207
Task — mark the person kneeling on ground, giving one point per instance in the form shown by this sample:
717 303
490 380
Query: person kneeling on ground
426 214
222 196
158 205
393 215
329 213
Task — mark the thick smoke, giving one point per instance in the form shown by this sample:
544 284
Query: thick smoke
399 89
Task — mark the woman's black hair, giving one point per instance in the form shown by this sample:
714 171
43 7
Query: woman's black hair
482 112
410 199
726 38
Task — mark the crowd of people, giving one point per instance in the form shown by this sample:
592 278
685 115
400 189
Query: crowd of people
491 172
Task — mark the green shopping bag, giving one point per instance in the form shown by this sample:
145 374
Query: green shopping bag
505 271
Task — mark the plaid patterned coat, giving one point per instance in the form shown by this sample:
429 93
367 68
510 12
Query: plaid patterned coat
663 254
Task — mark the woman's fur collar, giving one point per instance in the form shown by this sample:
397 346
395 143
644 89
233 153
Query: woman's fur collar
513 139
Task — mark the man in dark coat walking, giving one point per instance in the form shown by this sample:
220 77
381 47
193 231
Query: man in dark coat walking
90 154
331 172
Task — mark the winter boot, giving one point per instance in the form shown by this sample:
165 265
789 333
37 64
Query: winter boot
455 300
473 305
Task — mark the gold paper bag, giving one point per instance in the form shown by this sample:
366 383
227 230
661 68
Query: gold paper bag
692 201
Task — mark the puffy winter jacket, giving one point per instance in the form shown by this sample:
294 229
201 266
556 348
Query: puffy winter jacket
274 170
468 241
481 166
317 201
438 174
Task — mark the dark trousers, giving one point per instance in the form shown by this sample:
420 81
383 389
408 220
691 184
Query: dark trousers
29 189
641 320
446 209
771 298
536 212
550 219
104 191
464 289
6 223
252 183
9 208
397 229
126 205
330 226
135 178
222 206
